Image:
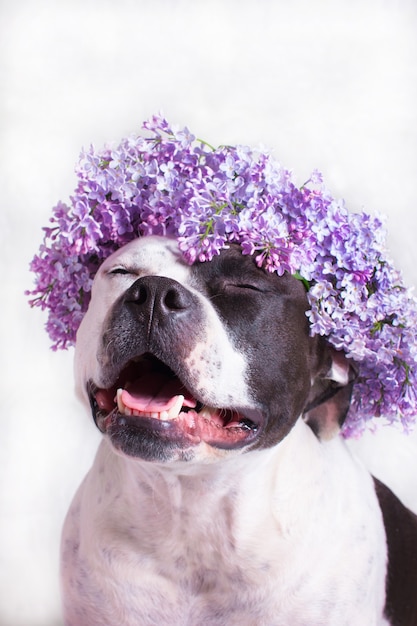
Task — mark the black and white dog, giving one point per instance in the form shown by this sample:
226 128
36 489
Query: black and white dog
221 493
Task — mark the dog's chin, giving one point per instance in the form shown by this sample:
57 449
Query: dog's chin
149 413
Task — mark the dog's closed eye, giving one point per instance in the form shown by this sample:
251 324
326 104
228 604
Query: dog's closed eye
120 270
250 286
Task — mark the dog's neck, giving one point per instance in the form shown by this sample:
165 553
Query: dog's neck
282 475
238 530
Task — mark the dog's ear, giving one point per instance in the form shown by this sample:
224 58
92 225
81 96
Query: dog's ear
331 390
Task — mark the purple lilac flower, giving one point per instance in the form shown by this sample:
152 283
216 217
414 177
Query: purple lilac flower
166 182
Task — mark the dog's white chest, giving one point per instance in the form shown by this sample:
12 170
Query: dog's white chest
180 549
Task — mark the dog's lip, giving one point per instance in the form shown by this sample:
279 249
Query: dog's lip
187 429
148 395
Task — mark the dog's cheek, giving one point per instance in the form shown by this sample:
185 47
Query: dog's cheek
85 349
280 374
283 397
87 343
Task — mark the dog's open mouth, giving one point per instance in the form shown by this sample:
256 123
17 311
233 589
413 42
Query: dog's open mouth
148 397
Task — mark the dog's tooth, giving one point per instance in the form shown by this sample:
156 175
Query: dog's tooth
174 411
120 403
205 412
163 415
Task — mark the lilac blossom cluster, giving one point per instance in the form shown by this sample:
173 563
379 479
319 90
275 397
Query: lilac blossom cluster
166 182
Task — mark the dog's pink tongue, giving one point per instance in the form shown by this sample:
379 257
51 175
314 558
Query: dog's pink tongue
154 393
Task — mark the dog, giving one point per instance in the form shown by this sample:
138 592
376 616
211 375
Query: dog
222 493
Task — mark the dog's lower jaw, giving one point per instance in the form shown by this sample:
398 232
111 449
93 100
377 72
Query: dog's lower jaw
205 543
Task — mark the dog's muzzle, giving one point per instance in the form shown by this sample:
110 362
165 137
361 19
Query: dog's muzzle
148 407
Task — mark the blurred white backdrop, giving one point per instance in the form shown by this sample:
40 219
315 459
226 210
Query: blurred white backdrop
329 84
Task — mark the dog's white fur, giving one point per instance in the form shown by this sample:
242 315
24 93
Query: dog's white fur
223 540
232 551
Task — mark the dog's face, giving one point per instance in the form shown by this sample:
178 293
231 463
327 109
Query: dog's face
194 362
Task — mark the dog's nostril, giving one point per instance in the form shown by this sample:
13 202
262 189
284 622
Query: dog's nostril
174 300
142 295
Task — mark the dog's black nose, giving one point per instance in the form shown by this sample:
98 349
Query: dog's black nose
158 296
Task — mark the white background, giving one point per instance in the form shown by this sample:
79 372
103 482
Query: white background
329 84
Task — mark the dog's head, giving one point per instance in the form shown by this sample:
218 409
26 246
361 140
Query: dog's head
181 362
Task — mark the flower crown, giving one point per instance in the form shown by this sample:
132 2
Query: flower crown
169 183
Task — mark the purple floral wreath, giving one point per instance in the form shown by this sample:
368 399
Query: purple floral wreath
169 183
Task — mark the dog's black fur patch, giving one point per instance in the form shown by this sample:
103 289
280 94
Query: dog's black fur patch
401 530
